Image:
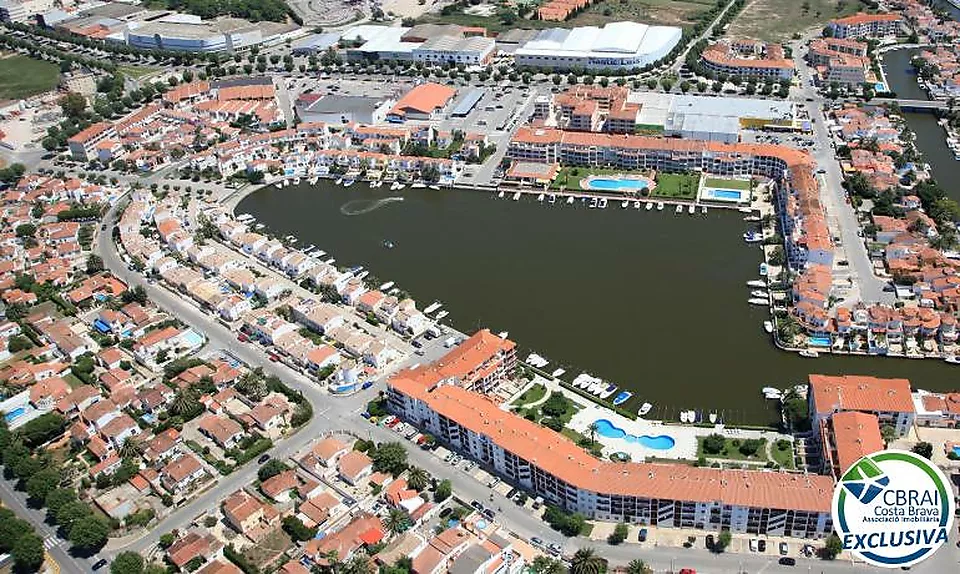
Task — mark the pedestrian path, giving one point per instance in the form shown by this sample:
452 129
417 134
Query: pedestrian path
51 542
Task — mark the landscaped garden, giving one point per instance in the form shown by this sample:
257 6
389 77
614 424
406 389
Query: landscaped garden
723 183
718 446
676 186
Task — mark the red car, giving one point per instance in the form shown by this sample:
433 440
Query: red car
687 571
274 358
242 338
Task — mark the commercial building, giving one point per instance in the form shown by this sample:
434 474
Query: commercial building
616 46
429 44
748 59
864 25
23 11
551 466
336 109
188 33
423 102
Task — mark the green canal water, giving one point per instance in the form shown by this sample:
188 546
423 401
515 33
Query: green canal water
652 301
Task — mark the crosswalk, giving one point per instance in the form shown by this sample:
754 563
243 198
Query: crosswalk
51 542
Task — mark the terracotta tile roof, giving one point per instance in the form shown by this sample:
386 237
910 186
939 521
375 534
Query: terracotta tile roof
424 99
860 393
855 435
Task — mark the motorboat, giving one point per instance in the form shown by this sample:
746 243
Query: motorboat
692 416
553 199
679 209
386 286
593 203
557 373
809 354
536 361
752 218
954 359
389 244
763 270
644 409
758 301
649 206
607 392
756 283
503 334
759 293
636 204
659 206
752 237
768 326
419 185
603 203
541 197
314 180
692 209
441 315
622 397
434 187
703 209
684 417
713 418
570 200
771 393
499 195
348 182
339 181
745 209
516 196
432 307
296 181
624 204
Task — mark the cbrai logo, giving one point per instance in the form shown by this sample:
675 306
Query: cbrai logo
893 508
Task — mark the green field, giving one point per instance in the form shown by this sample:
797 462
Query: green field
676 186
721 183
136 72
778 20
22 77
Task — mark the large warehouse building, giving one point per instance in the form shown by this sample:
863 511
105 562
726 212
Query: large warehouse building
187 33
425 43
618 45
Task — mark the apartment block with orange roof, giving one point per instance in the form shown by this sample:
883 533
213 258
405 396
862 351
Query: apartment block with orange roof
748 59
83 145
889 399
551 466
863 25
846 437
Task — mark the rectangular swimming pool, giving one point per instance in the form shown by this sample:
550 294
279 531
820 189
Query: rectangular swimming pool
724 194
615 184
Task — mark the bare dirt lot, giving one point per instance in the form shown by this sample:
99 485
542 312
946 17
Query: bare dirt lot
778 20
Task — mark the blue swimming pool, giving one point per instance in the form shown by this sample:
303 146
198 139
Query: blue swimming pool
616 183
15 414
724 194
607 429
193 338
820 341
956 449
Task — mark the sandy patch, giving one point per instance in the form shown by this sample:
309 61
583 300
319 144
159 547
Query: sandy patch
407 8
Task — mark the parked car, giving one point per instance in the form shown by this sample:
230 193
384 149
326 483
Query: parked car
99 564
787 561
784 548
476 505
642 536
762 545
709 541
536 541
489 514
753 545
554 548
263 458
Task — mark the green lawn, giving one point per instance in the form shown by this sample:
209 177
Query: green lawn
722 183
783 456
570 177
22 77
676 186
731 450
532 395
136 72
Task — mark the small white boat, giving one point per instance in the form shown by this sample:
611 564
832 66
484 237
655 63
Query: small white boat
762 270
516 196
593 203
621 398
757 301
752 218
770 391
756 283
259 226
644 409
553 199
713 418
609 390
954 360
330 261
557 373
314 180
809 354
386 286
624 204
296 181
603 203
500 195
636 205
649 206
703 209
679 209
768 326
419 185
659 206
320 253
745 209
348 182
570 200
759 293
684 417
434 187
751 237
503 334
339 180
692 209
432 307
541 197
441 315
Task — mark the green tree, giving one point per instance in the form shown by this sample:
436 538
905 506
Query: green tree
832 547
58 498
888 433
11 529
543 564
722 541
27 552
390 457
444 491
271 468
127 563
714 443
71 513
42 483
297 529
587 561
167 539
73 105
637 566
619 534
89 533
397 521
924 449
417 478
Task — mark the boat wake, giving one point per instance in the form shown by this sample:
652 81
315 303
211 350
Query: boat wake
361 206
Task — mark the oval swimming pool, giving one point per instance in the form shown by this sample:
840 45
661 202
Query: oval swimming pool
607 429
617 184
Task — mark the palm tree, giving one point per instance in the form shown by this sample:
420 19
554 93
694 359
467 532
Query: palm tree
253 385
358 564
397 521
131 448
586 561
593 428
183 402
637 566
546 565
417 478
